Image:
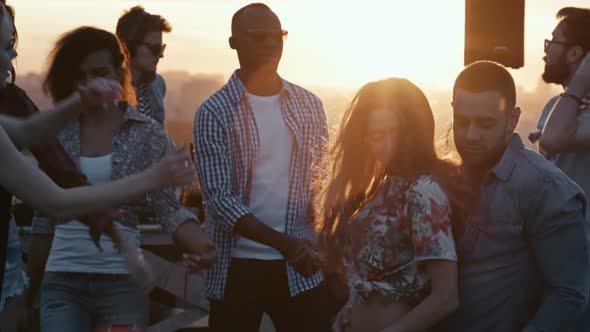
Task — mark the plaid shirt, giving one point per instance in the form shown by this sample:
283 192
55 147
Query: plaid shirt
226 142
51 156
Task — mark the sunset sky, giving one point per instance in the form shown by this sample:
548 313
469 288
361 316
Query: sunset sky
331 43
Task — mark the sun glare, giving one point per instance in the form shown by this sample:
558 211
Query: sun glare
332 43
420 40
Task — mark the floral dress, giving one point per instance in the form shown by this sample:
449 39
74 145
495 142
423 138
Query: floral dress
405 224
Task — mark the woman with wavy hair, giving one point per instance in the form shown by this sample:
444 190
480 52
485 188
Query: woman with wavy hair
86 288
385 212
46 192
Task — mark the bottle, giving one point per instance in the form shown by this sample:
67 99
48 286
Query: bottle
186 190
191 194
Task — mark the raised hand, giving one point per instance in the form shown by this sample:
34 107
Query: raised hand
175 169
99 93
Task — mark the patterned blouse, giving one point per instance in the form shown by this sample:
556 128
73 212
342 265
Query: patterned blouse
405 224
137 144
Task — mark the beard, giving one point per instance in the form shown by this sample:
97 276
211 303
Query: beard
557 73
487 157
147 76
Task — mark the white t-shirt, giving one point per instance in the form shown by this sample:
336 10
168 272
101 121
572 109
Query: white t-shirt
73 250
269 194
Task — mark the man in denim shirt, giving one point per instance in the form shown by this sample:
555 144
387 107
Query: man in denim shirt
523 248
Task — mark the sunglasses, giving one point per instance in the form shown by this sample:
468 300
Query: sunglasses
260 36
155 49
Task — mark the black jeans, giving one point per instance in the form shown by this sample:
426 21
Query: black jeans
257 286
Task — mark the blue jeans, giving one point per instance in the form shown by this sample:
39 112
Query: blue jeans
79 302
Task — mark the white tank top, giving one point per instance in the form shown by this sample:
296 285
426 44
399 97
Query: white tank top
73 250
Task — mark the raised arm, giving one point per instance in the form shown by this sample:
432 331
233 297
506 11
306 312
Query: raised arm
32 186
41 126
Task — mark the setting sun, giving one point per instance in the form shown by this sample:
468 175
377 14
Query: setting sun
331 43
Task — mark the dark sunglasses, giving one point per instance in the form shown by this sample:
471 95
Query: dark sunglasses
156 49
259 36
549 42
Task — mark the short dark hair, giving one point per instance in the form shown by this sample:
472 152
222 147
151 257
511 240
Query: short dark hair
135 23
484 76
237 14
577 26
71 49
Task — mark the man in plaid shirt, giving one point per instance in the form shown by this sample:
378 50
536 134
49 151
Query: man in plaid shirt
257 140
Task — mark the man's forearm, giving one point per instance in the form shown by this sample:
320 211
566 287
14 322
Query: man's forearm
253 229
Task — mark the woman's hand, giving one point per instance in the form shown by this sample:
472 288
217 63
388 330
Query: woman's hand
342 321
99 93
175 169
195 262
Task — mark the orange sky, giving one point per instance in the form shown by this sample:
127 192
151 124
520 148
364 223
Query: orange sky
338 43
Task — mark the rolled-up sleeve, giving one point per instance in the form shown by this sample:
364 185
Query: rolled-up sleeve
214 169
558 234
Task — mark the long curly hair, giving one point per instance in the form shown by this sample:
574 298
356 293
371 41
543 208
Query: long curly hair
63 73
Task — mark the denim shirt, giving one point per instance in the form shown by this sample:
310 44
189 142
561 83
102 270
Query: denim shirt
523 257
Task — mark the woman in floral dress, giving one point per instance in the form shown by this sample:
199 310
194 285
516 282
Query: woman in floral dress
386 213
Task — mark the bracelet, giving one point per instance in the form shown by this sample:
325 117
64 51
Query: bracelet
574 97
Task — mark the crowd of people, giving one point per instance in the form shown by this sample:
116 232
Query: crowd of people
373 230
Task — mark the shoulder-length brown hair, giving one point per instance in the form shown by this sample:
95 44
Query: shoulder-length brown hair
63 74
354 175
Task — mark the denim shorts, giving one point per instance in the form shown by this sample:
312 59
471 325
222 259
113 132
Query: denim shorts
86 301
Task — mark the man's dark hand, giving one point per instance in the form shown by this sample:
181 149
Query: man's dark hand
302 255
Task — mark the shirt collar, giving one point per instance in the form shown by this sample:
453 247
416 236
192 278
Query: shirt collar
506 164
237 90
131 114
